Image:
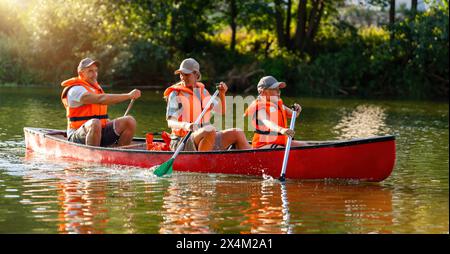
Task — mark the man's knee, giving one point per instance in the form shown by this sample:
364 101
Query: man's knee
130 122
237 130
211 134
94 125
208 132
235 133
125 123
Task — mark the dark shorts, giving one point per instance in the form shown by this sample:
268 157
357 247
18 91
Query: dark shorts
109 136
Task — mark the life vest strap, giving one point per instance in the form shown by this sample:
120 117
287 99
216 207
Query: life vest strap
261 132
271 133
85 118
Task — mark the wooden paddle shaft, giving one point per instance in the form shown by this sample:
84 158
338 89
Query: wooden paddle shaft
129 107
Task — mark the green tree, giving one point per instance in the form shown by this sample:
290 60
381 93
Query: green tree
309 15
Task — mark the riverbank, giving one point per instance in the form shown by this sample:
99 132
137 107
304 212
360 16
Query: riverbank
160 89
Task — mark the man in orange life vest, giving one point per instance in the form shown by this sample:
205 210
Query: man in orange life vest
186 101
87 110
269 116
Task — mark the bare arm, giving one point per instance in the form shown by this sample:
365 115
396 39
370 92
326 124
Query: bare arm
223 89
174 124
108 99
297 107
273 126
220 106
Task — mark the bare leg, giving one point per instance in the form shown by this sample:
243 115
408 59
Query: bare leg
236 137
93 129
125 127
204 138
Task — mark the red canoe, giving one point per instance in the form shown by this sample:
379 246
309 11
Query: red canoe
368 159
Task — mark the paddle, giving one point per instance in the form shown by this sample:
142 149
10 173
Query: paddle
166 167
129 107
288 148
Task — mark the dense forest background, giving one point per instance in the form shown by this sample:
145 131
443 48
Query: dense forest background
370 48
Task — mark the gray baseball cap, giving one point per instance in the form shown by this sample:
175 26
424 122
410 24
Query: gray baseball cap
188 66
269 82
86 63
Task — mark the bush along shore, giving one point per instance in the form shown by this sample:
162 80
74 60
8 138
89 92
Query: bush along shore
320 48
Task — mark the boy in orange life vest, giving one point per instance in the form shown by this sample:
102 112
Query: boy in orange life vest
270 116
87 110
185 102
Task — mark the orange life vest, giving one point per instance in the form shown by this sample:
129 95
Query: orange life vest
263 135
79 115
191 106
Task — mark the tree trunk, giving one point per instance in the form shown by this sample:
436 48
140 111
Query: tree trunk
267 47
314 25
391 12
311 21
392 18
299 37
279 23
287 30
413 8
173 21
233 25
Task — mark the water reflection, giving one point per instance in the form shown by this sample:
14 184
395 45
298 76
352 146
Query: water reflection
304 207
81 205
342 207
363 121
267 212
86 200
253 207
90 199
285 209
80 202
187 207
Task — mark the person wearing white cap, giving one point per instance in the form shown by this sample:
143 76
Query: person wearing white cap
87 109
269 116
185 102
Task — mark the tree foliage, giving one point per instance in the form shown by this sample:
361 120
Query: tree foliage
305 42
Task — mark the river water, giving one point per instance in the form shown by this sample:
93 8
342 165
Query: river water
39 195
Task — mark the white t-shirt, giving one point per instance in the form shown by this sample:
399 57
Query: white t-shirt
74 96
73 99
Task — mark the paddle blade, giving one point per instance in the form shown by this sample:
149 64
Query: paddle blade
165 168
